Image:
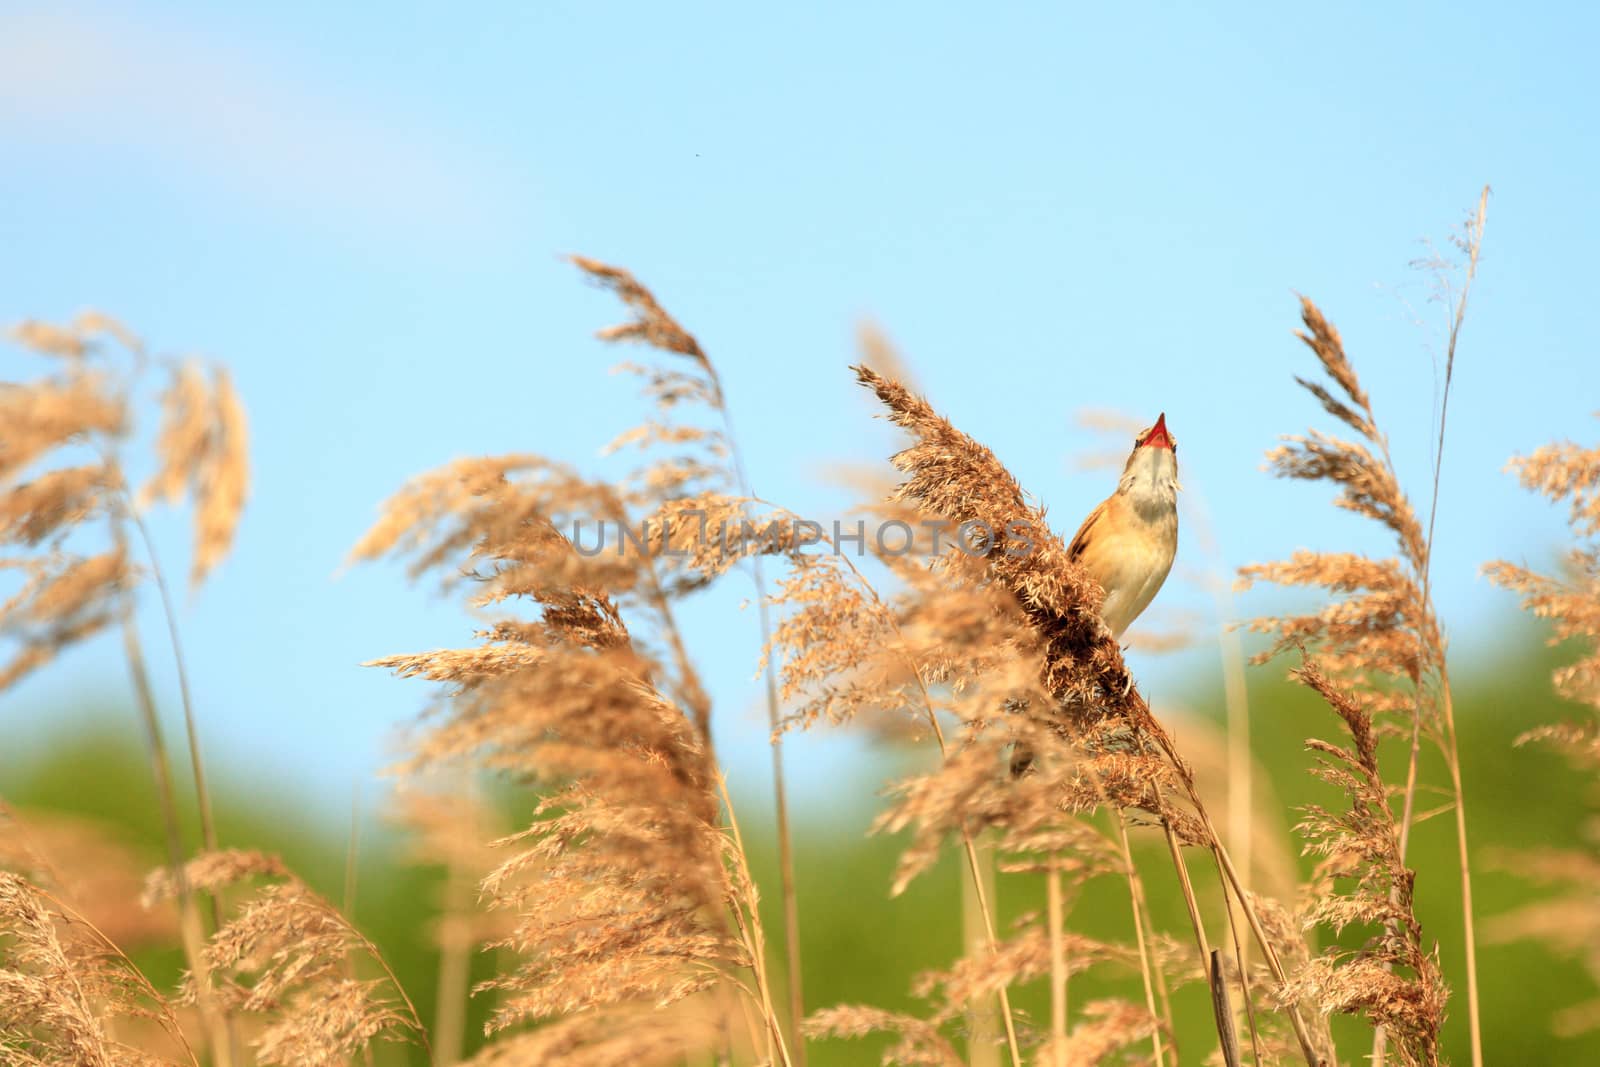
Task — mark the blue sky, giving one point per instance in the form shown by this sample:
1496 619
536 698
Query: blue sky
361 210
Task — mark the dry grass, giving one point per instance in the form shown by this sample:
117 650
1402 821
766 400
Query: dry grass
66 986
621 916
71 517
1569 919
1382 643
285 956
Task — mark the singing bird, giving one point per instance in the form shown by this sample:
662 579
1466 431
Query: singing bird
1127 543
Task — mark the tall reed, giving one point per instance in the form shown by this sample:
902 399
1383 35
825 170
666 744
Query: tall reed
1568 920
74 519
619 911
1377 652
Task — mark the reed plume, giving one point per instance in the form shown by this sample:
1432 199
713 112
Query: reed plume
63 985
620 915
1394 979
71 514
285 957
1569 919
1021 659
68 593
715 459
1377 652
628 894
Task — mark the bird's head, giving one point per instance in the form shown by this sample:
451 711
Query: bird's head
1152 469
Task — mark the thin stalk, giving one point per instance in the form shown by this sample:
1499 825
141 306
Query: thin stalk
1241 802
983 1020
755 943
1452 755
455 963
1380 1039
208 825
791 904
1189 901
1013 1046
1209 960
371 950
755 1029
1219 992
1469 935
690 691
416 1020
348 900
1162 995
1241 768
1186 775
1244 975
160 763
1236 692
1136 897
161 768
218 1028
208 828
976 869
994 942
450 1018
1141 920
730 999
1223 1012
1274 963
1058 968
694 695
163 1016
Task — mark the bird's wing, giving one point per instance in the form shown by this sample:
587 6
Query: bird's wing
1081 539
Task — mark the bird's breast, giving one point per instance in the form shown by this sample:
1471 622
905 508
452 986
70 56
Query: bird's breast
1130 556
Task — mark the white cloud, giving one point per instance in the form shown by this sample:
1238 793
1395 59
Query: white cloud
211 110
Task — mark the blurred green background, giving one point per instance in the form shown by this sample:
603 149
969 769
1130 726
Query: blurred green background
861 946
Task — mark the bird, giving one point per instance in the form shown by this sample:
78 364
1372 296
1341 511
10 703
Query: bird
1128 542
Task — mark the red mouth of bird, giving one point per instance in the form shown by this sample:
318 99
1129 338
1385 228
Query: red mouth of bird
1158 437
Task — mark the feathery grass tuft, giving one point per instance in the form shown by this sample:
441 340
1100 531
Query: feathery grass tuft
618 911
1569 920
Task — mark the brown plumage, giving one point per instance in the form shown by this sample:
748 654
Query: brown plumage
1128 542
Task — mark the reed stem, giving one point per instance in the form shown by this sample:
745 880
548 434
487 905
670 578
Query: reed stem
1136 898
1058 968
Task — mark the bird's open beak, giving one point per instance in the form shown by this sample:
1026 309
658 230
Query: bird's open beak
1158 436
